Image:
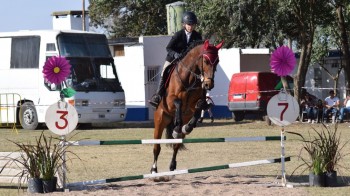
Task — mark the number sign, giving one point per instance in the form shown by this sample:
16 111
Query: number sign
283 109
61 118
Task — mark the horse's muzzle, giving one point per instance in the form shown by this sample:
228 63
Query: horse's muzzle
208 84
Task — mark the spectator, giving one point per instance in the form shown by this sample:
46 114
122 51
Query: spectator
320 106
345 109
210 104
309 104
331 106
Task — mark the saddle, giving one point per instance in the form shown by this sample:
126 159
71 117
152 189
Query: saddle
167 73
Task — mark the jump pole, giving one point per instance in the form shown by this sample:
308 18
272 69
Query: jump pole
178 172
173 141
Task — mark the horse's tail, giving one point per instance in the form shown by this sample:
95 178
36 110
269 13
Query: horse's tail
169 135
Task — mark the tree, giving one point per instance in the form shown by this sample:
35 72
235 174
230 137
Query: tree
333 35
264 23
323 43
341 15
129 18
307 15
249 23
241 23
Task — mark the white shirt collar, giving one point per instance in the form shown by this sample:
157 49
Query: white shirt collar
188 35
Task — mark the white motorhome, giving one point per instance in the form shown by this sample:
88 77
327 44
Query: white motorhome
25 95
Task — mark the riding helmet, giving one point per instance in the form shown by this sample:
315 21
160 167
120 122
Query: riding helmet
189 18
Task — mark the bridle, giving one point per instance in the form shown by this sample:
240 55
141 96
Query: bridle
198 77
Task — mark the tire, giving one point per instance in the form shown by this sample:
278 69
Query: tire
238 116
28 117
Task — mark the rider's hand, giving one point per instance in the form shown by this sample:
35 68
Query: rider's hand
176 55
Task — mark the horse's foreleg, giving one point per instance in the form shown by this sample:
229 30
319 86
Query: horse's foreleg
187 129
178 119
173 160
156 151
159 124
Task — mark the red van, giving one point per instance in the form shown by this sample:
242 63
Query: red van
249 92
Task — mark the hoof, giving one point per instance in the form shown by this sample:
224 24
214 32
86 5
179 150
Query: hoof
177 135
154 170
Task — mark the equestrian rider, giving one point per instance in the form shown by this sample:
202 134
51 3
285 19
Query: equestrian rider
179 42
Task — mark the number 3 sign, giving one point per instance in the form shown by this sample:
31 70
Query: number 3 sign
283 109
61 118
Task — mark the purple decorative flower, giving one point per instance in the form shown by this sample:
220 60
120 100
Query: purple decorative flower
56 69
282 61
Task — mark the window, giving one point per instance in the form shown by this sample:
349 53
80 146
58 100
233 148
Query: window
25 52
335 65
119 50
50 47
153 74
83 45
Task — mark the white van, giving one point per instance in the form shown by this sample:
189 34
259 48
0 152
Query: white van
25 95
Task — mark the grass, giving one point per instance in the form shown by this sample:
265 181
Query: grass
100 162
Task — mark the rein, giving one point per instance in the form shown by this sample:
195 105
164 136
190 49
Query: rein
197 76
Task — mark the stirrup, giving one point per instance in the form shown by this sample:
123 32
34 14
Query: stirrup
155 100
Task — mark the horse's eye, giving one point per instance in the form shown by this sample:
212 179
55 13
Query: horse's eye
206 61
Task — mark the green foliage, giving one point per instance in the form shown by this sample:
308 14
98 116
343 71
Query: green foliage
41 160
323 148
239 23
128 18
312 26
51 156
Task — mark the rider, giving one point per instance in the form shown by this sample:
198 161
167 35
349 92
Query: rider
178 44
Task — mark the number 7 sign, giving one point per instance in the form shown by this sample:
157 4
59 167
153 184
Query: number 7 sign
61 118
283 111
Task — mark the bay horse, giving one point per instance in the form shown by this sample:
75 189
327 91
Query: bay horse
181 106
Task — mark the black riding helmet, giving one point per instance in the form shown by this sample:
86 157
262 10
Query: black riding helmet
189 18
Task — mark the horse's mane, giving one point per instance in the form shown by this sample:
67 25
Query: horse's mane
192 45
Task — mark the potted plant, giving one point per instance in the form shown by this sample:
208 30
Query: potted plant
313 161
30 160
324 152
332 152
52 159
40 162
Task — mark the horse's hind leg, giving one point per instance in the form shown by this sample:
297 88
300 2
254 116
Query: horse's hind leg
187 128
178 119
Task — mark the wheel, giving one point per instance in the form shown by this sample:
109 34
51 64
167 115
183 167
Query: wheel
28 117
238 116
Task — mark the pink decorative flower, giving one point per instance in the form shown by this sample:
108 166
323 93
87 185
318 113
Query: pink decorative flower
282 61
56 69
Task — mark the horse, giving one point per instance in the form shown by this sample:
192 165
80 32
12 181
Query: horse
180 108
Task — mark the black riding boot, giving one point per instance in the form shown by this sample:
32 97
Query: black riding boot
156 98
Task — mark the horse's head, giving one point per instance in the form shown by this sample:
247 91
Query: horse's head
209 63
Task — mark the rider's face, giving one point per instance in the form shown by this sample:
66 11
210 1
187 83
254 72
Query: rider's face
190 28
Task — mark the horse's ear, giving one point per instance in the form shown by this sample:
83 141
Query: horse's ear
220 45
206 44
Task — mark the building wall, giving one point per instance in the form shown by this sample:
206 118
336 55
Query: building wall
327 82
255 62
131 70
